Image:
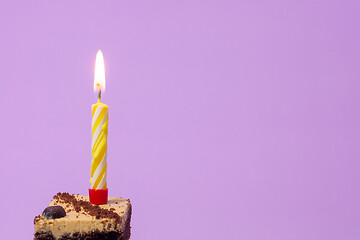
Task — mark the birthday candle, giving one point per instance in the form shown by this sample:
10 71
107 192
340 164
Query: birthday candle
99 135
99 130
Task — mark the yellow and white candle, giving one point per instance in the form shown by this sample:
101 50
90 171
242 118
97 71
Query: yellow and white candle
99 131
99 135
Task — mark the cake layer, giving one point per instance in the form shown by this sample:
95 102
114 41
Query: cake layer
84 220
86 236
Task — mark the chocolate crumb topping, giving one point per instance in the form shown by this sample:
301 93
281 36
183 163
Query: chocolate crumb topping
93 210
36 219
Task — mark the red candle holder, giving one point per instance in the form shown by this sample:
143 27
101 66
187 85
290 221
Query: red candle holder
98 196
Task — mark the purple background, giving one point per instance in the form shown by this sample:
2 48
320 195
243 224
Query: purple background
228 119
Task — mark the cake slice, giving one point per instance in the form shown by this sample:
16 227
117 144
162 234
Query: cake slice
70 216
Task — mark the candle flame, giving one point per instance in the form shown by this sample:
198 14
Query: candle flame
99 78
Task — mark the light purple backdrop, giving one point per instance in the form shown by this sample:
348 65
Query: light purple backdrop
228 119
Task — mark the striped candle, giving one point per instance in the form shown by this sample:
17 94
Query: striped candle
98 192
99 135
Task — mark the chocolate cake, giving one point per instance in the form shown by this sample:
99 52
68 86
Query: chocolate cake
70 216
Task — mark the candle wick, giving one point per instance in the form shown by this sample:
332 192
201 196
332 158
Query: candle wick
99 92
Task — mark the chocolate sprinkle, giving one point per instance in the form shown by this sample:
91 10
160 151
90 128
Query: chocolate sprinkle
37 218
